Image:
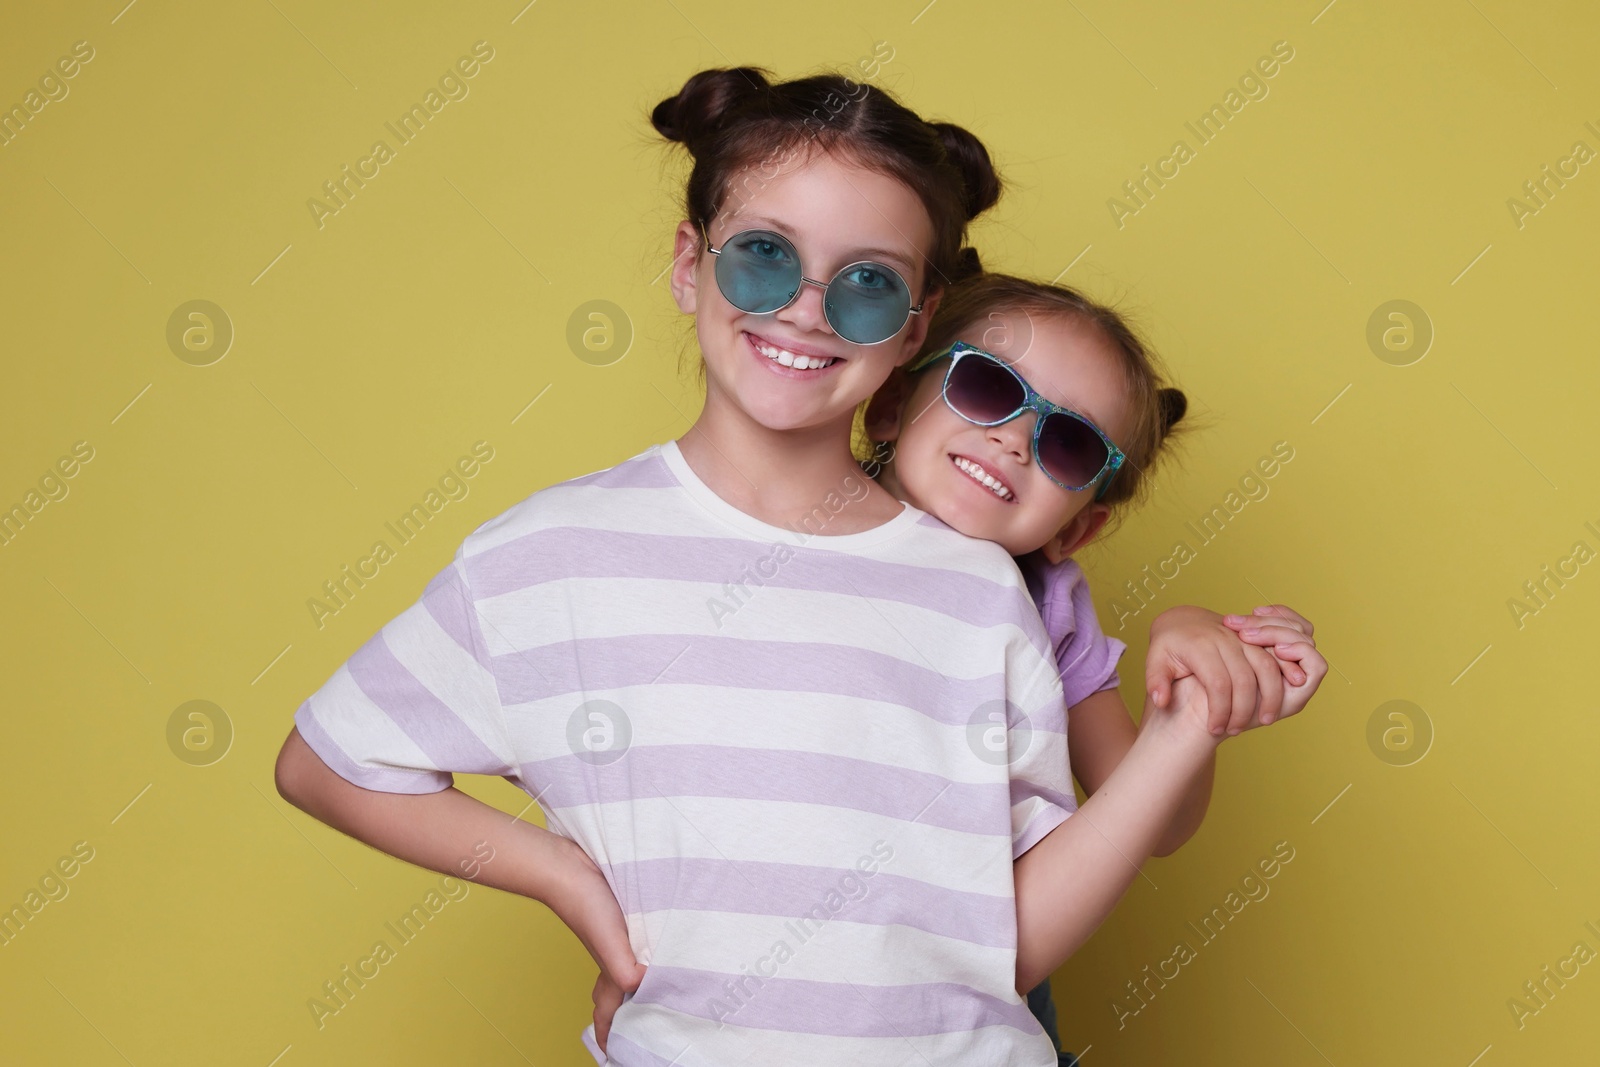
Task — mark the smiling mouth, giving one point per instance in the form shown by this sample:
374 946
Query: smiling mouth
790 359
976 472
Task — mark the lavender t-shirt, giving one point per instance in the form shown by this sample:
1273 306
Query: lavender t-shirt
1085 655
804 764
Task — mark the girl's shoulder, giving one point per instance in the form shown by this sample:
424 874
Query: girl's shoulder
940 543
590 501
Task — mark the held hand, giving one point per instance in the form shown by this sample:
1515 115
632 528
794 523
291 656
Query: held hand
1186 716
585 903
1243 682
1290 637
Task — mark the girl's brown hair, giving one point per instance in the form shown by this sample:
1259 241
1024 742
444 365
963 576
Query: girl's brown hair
1155 407
736 124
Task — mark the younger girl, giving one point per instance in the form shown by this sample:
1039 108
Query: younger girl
1032 415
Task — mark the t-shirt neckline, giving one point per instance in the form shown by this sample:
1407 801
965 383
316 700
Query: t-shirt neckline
719 508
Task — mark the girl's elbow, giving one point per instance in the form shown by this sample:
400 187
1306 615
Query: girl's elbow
1167 848
289 772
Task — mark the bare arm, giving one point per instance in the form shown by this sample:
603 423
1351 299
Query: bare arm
1100 733
453 833
1071 880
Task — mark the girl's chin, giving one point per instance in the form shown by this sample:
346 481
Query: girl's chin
781 413
974 519
778 404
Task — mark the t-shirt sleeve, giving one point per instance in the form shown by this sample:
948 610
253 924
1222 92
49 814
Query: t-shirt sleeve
1085 656
417 701
1041 781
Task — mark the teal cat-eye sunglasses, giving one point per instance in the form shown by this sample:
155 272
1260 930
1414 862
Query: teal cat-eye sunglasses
987 391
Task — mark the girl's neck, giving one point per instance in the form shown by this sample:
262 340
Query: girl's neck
889 479
783 477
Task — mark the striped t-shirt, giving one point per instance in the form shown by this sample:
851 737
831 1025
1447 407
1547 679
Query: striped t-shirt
804 762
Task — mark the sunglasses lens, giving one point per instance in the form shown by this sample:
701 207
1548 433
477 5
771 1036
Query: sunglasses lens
1070 450
758 271
981 389
867 303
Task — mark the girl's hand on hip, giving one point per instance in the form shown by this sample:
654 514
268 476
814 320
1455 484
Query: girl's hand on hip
608 997
583 900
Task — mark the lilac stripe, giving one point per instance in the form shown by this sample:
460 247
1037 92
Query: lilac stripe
591 1044
381 779
641 472
648 771
450 603
1051 718
583 552
840 1009
435 727
602 664
800 892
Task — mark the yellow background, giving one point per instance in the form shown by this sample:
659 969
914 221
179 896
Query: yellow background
433 309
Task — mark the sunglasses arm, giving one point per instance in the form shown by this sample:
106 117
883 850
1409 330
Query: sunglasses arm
1110 476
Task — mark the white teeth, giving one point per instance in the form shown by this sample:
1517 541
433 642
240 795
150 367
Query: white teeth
978 474
789 359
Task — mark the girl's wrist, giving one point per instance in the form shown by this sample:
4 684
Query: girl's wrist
1180 728
542 866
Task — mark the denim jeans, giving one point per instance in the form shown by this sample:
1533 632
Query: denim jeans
1043 1006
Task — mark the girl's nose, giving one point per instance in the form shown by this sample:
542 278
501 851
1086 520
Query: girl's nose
1015 435
806 312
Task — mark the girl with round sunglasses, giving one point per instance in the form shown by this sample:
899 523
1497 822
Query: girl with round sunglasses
1007 429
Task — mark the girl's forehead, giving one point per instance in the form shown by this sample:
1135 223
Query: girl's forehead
1059 343
828 198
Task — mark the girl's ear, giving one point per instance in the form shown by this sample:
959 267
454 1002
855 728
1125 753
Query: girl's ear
1078 532
685 264
882 417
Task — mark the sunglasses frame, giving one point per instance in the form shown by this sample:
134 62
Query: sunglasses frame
1032 401
911 309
